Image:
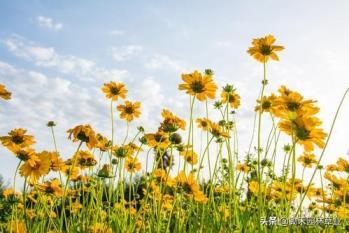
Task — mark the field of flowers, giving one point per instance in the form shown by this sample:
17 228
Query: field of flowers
103 187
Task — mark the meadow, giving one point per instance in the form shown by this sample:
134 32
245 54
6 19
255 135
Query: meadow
104 187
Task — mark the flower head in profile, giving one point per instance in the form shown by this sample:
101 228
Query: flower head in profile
53 187
85 159
5 94
105 172
171 122
83 133
39 169
103 143
123 151
190 156
132 165
306 132
158 140
242 167
204 123
114 90
217 131
129 111
263 48
266 104
307 160
27 155
191 188
16 139
199 85
230 96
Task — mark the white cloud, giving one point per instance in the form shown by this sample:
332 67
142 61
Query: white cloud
47 22
165 62
125 52
67 64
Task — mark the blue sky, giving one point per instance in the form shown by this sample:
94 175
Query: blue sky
55 56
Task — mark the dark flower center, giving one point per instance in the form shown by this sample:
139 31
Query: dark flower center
23 155
197 86
266 104
159 138
265 50
302 134
18 139
231 98
292 106
115 90
129 110
83 137
308 160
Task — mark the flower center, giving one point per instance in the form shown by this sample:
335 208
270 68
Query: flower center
18 139
82 137
292 106
302 134
266 104
129 110
114 90
197 86
265 50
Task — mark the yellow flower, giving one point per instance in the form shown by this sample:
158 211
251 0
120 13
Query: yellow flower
242 167
253 187
190 156
262 49
230 96
5 94
307 160
292 103
132 165
159 140
217 131
53 187
17 139
103 144
191 188
85 159
315 192
266 104
105 172
57 163
75 207
9 193
100 228
123 151
343 165
71 171
198 85
83 133
27 154
225 212
343 212
114 90
336 182
41 168
18 226
129 111
204 123
171 122
305 131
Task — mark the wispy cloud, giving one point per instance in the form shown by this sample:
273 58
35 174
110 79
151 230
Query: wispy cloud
125 52
47 22
165 62
67 64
